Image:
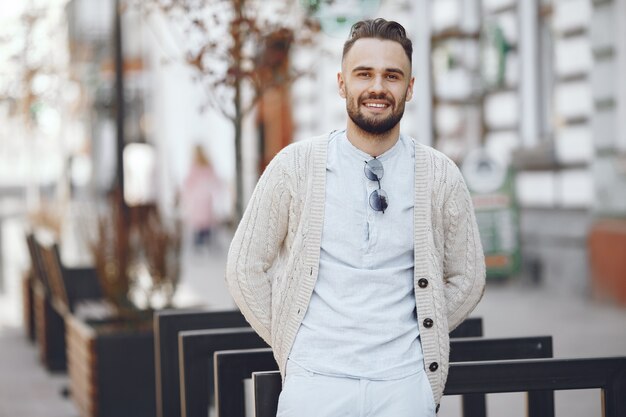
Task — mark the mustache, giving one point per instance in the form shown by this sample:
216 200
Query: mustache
374 96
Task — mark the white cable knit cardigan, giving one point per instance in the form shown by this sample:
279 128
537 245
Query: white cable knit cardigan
274 256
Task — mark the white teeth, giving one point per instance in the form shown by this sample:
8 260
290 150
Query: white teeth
376 105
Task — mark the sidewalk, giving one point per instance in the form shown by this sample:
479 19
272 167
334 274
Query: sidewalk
26 389
579 326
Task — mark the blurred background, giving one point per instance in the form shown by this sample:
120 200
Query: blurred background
132 133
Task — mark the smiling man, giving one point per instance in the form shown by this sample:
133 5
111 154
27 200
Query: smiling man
359 251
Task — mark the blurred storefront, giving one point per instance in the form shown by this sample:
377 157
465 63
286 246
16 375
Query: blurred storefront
537 85
534 88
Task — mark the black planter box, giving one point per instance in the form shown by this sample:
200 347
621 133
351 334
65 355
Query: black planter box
111 367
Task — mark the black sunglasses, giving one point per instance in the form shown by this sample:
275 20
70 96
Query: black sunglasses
374 172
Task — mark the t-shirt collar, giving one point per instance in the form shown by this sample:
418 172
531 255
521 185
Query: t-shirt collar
364 156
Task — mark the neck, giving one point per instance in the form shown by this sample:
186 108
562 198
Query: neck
372 144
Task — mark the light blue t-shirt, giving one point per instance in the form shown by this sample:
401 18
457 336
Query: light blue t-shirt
361 321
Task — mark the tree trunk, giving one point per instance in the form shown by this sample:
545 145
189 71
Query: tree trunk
122 219
238 122
238 119
118 58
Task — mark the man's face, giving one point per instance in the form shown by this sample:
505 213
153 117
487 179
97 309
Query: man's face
376 81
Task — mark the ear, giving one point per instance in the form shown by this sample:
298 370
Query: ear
342 85
409 90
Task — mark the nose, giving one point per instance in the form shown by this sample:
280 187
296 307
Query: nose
377 86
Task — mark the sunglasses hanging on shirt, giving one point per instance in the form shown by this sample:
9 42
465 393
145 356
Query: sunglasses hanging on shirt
374 172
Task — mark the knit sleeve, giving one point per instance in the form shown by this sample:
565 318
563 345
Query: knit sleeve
256 245
464 261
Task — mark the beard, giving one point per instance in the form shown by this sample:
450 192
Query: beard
377 125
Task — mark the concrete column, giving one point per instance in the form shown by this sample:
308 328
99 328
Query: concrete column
2 263
529 73
422 71
620 51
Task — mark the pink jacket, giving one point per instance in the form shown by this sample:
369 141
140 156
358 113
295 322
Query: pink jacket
198 193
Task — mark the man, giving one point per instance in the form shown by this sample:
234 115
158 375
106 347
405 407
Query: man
359 251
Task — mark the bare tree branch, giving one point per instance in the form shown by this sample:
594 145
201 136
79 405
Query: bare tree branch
235 44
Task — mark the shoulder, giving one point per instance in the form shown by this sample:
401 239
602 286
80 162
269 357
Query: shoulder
295 161
441 165
298 155
303 146
440 172
434 154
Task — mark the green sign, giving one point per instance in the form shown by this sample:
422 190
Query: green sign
493 52
493 194
337 17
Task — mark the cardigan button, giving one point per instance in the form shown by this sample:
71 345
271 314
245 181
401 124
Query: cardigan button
428 323
422 283
433 366
437 408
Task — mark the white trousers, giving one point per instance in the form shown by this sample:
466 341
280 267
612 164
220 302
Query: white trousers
308 394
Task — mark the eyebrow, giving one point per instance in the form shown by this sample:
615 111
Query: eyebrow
365 68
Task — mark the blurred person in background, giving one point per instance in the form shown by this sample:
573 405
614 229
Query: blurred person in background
199 193
359 251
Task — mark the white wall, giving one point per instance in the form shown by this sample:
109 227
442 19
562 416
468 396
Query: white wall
177 123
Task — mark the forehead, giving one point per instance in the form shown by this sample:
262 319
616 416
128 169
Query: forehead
376 53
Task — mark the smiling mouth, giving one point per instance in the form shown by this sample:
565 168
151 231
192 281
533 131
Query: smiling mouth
376 106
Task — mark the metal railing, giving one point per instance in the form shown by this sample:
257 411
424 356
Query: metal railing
232 367
531 376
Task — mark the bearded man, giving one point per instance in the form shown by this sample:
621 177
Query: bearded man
359 251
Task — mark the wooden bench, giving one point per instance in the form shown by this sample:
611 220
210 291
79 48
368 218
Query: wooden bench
56 292
607 374
49 330
167 325
68 285
232 367
28 303
47 323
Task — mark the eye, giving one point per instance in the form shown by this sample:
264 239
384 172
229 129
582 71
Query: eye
363 74
393 77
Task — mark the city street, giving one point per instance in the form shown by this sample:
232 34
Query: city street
580 328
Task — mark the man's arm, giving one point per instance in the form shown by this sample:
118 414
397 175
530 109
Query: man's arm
256 246
464 260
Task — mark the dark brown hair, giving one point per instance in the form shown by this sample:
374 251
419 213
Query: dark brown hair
379 29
